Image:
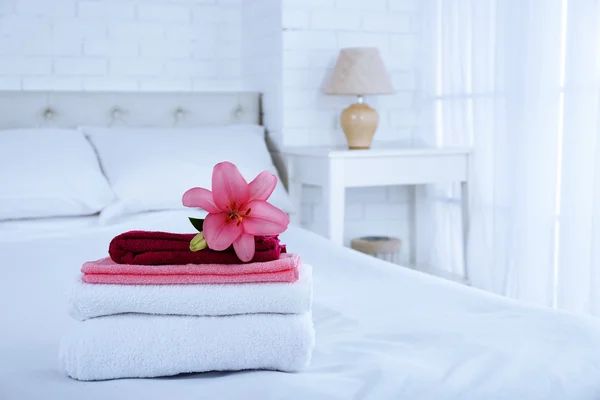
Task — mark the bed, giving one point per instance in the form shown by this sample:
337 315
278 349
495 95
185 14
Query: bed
383 331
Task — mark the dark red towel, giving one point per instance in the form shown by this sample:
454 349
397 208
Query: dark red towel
163 248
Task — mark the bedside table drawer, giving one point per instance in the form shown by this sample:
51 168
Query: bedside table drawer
380 171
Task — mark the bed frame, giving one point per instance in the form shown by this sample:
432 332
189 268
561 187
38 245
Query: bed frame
139 109
32 109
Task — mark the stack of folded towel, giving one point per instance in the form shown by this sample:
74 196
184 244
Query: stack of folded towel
154 308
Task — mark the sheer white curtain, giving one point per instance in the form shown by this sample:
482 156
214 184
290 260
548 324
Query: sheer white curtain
518 80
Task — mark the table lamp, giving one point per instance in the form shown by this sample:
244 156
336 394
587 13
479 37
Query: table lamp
359 71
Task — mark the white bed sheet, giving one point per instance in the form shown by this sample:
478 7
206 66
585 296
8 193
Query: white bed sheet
383 332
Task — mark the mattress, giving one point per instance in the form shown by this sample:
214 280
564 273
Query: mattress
382 331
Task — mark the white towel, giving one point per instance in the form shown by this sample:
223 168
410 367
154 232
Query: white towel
140 346
94 300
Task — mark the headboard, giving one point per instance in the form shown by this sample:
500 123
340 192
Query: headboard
135 109
139 109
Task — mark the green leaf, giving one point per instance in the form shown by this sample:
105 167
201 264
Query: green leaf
198 223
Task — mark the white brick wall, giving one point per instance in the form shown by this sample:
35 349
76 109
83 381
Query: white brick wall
165 45
312 36
282 48
263 59
313 33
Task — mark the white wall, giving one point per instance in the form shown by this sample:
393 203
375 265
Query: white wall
282 48
313 33
262 61
120 45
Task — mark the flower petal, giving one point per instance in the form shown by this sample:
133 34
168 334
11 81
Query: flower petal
200 197
264 219
262 186
244 247
228 186
220 231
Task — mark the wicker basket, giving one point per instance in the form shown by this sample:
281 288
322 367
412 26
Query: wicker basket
383 247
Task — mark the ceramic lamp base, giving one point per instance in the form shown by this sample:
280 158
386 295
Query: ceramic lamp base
359 122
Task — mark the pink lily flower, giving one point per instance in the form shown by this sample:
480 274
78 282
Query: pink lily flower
237 211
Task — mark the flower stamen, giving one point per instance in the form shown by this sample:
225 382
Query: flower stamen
235 215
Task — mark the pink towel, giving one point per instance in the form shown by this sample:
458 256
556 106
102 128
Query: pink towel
107 271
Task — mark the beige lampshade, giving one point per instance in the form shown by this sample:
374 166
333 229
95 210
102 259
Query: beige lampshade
360 71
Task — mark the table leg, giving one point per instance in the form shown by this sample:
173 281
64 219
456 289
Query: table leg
334 202
412 252
295 192
464 188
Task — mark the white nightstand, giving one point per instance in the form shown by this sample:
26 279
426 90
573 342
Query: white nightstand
385 164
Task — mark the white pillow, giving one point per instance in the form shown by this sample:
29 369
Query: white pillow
150 169
49 173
